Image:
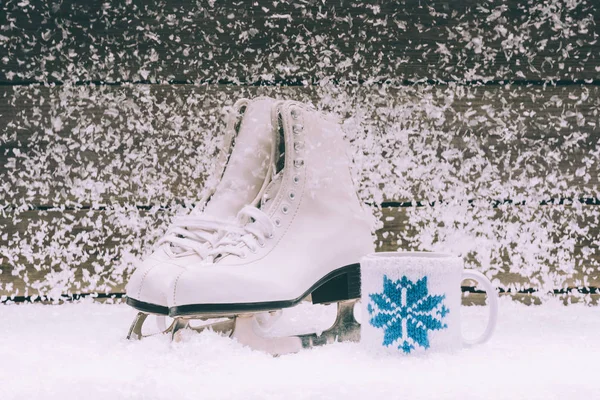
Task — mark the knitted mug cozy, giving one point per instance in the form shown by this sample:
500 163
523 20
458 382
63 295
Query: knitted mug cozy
411 302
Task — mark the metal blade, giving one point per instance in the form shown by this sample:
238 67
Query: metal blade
344 329
135 331
248 330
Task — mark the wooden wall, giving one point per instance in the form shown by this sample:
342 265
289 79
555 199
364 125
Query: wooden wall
475 126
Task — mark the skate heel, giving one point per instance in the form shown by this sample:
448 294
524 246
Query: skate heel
343 285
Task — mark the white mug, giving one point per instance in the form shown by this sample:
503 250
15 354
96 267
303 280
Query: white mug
411 302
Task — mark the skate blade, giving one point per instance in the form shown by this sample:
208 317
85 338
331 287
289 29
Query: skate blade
264 320
247 329
135 330
181 325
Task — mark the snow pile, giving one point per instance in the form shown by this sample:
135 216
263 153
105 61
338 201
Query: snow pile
79 351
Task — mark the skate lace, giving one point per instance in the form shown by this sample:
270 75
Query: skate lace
193 232
250 236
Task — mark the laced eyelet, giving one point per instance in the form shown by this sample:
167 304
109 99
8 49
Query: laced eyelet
297 128
285 209
277 222
298 163
298 146
292 195
253 250
262 244
271 236
296 179
295 113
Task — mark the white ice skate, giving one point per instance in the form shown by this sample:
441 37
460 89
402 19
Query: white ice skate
241 176
306 238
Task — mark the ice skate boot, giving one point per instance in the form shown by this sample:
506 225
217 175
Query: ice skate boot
241 175
306 238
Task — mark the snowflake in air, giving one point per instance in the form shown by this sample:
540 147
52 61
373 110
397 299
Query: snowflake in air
406 312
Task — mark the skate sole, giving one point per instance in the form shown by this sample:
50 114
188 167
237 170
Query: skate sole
339 285
147 308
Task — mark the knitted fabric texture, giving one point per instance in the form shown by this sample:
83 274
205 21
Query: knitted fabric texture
406 312
411 302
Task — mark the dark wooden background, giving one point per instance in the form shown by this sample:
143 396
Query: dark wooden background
108 111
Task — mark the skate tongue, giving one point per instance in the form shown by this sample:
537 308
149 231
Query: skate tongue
271 191
248 164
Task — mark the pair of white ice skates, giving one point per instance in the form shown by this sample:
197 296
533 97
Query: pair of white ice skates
279 223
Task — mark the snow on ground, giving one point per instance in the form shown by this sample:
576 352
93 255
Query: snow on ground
78 351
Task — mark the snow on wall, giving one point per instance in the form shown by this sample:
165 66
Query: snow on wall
91 175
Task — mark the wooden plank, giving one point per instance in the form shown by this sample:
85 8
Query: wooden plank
81 40
480 299
70 252
519 248
148 144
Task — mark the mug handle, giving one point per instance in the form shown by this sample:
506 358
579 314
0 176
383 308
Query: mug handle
492 297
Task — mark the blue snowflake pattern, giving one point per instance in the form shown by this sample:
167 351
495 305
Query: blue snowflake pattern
406 312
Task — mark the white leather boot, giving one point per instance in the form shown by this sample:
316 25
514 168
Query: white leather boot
242 175
306 238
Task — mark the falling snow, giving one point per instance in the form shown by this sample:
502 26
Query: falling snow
92 174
